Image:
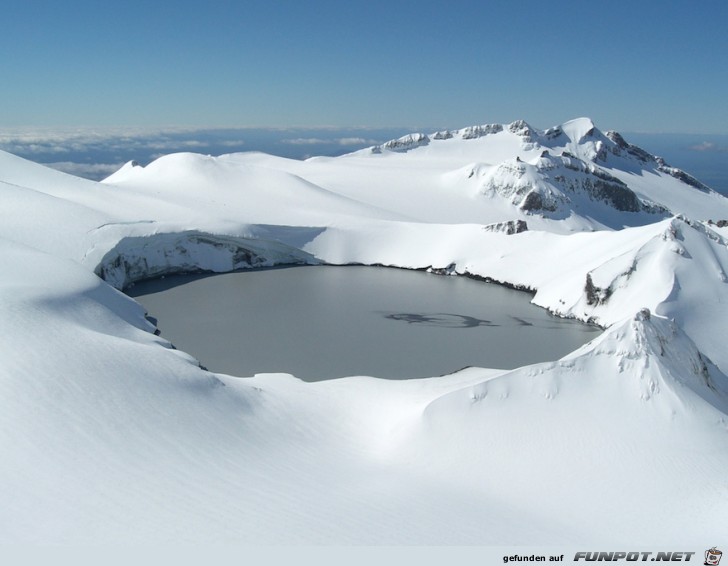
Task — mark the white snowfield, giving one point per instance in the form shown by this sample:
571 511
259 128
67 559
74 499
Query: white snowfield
109 435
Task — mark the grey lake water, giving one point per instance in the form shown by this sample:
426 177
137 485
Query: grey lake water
323 322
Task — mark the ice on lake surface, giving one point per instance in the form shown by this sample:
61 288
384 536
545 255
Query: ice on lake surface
323 322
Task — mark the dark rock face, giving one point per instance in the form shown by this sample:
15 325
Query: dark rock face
617 195
534 202
601 149
555 183
600 185
553 133
621 146
474 132
404 143
617 138
595 295
509 227
449 269
522 129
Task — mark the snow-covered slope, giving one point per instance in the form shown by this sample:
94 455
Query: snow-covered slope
593 430
568 178
110 435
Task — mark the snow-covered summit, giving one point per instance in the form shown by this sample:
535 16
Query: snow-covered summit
556 186
579 138
646 360
579 129
124 171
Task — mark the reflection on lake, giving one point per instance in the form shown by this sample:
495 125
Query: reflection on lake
321 322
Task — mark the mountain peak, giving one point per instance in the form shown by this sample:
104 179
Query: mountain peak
521 128
579 128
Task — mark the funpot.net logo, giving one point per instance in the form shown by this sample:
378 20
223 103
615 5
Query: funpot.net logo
662 556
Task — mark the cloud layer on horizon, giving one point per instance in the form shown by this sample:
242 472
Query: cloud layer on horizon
95 153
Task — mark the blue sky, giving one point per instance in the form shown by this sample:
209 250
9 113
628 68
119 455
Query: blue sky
631 66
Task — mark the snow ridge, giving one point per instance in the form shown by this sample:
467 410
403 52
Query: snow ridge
579 137
648 357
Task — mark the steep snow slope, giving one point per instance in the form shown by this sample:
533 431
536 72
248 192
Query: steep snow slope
110 435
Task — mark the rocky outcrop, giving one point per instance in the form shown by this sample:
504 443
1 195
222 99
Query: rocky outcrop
719 223
146 257
553 183
509 227
622 148
474 132
444 135
681 175
537 201
521 128
595 295
405 143
522 185
598 184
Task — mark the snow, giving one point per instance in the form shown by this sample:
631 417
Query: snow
578 129
111 435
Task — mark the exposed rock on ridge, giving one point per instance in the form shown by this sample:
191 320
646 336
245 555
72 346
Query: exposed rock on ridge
137 258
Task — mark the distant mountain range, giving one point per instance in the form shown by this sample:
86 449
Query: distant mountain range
95 154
